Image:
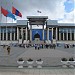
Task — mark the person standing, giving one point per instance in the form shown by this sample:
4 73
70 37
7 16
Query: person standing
8 50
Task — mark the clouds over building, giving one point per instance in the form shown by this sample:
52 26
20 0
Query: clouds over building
54 9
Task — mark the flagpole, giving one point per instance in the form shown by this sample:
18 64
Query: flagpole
6 25
12 23
0 21
6 28
11 10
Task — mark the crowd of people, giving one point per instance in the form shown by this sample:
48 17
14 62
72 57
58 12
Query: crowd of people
38 46
69 45
41 46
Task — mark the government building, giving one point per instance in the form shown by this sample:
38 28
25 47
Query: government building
48 31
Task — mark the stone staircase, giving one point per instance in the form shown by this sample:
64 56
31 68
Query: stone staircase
37 41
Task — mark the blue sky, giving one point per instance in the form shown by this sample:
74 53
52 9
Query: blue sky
69 5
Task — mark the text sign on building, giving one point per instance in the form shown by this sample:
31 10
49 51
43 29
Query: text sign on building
36 22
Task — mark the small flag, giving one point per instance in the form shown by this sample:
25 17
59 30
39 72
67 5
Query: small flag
38 11
16 12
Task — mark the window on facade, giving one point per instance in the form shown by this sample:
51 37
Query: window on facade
58 34
4 36
72 33
12 36
8 36
54 33
68 36
15 33
61 36
72 36
24 36
1 36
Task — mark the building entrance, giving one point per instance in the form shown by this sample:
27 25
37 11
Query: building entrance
36 36
37 20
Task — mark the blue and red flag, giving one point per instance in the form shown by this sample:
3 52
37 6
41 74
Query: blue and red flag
16 12
10 15
7 13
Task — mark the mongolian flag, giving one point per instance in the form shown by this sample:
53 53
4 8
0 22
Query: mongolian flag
16 12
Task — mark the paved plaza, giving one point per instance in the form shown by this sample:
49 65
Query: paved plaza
51 58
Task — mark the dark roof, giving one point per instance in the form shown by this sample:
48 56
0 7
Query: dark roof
31 17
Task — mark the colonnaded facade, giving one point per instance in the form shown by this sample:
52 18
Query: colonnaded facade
24 29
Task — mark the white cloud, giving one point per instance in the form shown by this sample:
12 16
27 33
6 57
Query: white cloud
69 17
54 9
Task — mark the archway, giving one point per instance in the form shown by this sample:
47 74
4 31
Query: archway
37 36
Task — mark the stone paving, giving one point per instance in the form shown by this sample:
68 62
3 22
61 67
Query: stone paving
44 71
50 57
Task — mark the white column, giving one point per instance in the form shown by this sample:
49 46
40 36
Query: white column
26 33
30 32
43 32
48 34
22 32
3 35
59 35
17 33
52 33
70 34
63 34
56 34
67 34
